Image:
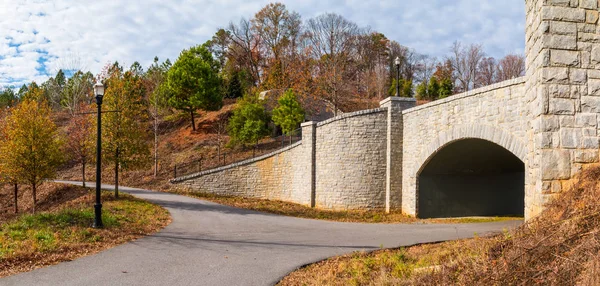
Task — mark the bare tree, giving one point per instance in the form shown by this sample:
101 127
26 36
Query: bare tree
510 67
279 30
425 68
465 61
333 40
277 27
409 61
245 49
486 72
372 63
220 127
64 90
157 99
78 89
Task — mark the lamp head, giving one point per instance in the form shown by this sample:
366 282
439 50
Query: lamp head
99 89
397 61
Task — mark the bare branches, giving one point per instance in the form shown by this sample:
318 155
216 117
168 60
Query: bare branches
511 66
465 61
333 40
487 72
245 49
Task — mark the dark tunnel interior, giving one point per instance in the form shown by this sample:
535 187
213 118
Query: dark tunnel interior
472 177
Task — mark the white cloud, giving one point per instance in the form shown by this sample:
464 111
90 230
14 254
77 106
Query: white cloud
91 34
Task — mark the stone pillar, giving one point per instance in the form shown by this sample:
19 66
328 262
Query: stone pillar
563 89
309 144
393 182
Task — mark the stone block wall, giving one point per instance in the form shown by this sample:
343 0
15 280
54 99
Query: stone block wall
339 164
278 176
351 160
494 113
563 90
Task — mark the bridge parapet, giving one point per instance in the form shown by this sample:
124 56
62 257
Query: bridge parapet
475 92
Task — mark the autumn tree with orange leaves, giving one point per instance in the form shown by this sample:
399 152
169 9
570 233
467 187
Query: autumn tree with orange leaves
80 138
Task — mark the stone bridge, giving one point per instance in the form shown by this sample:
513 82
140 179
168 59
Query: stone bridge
504 149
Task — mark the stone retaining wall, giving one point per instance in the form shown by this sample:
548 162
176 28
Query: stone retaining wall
339 164
277 176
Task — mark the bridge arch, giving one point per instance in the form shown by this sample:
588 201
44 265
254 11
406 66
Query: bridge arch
461 132
473 170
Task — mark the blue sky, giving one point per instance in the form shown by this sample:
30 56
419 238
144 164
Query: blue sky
38 37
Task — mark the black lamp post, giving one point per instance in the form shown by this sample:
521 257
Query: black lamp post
99 91
397 62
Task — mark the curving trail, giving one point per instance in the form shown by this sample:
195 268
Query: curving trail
212 244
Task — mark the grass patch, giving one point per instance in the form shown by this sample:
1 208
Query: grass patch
297 210
34 240
385 267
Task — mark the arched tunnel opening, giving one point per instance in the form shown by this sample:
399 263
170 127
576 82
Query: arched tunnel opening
472 177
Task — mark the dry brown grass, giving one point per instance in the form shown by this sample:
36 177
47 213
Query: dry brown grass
384 267
63 232
559 247
301 211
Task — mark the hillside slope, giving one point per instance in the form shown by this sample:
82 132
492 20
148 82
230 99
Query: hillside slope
559 247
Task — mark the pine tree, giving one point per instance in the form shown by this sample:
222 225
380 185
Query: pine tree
8 97
288 114
422 91
248 123
194 82
433 89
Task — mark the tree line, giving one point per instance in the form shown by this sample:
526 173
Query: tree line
32 147
332 58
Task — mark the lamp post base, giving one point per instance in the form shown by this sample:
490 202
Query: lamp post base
98 213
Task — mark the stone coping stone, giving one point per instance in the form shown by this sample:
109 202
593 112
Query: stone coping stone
397 98
474 92
352 114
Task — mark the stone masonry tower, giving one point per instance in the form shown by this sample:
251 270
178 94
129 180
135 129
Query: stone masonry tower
563 91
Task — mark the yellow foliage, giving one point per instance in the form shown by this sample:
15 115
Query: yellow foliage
31 150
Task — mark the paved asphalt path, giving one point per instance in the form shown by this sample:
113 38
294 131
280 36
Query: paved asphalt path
212 244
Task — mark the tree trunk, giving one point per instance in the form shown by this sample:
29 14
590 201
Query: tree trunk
335 103
16 198
83 172
117 174
34 192
155 146
193 120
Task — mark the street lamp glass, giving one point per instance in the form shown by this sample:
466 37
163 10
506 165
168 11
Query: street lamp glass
99 89
397 61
